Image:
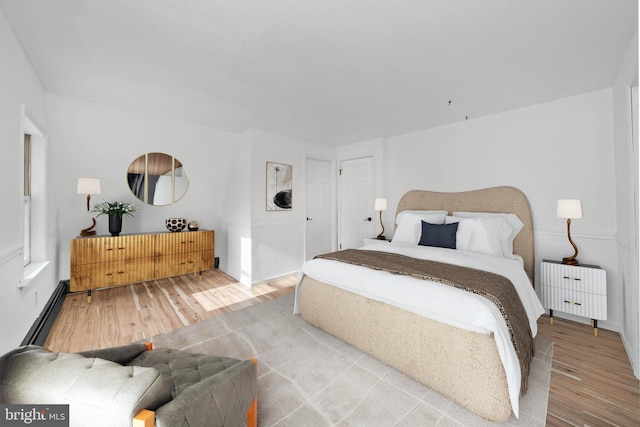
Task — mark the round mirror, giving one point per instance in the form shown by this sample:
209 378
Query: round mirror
157 179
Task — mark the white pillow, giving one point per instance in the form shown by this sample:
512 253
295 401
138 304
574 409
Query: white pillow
486 235
432 215
409 227
511 218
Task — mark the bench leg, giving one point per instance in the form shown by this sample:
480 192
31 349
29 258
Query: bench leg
252 413
145 418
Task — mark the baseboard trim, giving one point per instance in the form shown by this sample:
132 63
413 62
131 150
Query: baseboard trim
40 329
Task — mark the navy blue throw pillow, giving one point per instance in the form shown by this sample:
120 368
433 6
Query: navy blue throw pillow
439 235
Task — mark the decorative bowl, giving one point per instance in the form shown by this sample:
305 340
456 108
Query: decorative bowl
175 224
193 226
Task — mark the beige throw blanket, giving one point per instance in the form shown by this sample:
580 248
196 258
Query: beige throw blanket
497 288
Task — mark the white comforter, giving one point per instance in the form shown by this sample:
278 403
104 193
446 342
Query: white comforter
437 301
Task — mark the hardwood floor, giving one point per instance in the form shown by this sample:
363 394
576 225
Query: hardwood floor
130 313
592 383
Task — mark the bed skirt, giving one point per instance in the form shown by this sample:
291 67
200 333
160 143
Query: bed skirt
463 365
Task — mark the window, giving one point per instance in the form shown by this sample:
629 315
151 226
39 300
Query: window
34 201
27 199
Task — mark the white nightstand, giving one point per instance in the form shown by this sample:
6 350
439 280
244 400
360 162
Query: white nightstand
372 240
575 289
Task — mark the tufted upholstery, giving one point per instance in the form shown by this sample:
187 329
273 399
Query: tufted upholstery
109 387
233 381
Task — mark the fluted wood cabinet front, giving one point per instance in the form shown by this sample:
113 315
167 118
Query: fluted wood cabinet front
182 253
99 262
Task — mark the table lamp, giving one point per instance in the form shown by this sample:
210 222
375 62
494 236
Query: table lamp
88 186
381 205
570 208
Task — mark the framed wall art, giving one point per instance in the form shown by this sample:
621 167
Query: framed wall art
279 186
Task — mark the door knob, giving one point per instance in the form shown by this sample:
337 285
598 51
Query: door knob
368 219
308 219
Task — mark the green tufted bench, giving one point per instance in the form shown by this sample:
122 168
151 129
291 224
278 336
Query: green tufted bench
134 385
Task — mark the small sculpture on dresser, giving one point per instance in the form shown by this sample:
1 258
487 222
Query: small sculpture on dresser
175 224
193 226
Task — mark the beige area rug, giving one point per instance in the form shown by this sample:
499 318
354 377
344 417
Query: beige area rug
307 377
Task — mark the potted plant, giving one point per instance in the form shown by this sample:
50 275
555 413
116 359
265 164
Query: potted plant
115 210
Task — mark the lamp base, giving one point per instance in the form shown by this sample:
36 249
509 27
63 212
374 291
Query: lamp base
88 231
570 261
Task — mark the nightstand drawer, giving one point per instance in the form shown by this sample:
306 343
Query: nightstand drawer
579 303
576 278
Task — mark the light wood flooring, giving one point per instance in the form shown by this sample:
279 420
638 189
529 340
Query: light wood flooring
592 383
130 313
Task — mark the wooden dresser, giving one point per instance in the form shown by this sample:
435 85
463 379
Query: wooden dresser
105 261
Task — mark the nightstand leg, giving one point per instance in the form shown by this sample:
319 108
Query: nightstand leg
594 323
550 317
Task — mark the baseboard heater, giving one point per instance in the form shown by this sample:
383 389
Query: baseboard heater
39 332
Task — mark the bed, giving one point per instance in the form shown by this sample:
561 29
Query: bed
418 326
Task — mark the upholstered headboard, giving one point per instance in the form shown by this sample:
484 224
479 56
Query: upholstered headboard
496 199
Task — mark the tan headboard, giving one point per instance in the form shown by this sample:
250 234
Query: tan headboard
496 199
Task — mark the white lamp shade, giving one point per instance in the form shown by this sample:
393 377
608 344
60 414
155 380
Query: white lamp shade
88 186
569 208
380 205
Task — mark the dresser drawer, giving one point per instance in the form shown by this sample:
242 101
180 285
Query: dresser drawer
91 276
574 278
185 241
176 264
107 249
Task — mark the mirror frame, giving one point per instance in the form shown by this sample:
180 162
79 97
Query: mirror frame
141 170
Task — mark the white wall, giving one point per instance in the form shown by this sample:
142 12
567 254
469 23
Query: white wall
100 142
556 150
236 215
19 307
277 238
626 158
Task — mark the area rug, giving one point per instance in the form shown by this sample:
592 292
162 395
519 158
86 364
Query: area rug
307 377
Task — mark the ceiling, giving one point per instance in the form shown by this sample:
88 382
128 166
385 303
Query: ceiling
327 71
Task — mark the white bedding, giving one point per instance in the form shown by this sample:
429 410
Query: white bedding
437 301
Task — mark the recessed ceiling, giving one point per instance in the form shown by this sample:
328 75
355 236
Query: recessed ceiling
327 71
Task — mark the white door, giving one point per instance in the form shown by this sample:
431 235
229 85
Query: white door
356 212
318 238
